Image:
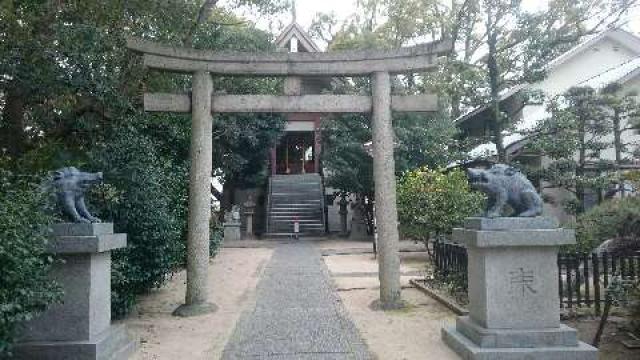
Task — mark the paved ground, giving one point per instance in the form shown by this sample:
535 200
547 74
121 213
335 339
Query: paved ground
297 315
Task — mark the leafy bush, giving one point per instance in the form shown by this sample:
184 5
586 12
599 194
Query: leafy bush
216 235
605 221
146 198
432 202
25 289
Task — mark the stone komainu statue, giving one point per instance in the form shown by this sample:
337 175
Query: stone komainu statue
70 185
506 185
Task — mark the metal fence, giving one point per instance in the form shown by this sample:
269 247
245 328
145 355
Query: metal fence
582 277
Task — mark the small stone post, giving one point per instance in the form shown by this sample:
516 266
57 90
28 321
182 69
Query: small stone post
196 300
249 211
513 292
232 224
385 192
80 327
343 214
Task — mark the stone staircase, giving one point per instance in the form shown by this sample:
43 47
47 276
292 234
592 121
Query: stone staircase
293 197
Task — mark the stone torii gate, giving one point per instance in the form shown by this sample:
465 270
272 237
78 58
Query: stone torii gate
202 64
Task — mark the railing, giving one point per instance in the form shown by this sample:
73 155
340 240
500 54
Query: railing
582 277
268 207
450 258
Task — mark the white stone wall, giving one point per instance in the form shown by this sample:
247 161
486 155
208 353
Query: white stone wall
606 54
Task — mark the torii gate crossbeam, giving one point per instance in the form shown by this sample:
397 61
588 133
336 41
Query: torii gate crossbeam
378 65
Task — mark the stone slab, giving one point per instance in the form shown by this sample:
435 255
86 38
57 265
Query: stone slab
507 338
82 229
467 350
514 288
232 232
515 238
86 244
85 311
510 223
113 344
347 63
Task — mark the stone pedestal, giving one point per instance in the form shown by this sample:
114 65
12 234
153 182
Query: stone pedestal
232 231
79 328
513 292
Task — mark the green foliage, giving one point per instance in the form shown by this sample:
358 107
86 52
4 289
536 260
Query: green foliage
148 201
420 141
25 289
216 235
348 165
68 79
580 127
605 221
432 202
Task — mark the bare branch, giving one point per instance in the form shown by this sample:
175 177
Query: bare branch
203 14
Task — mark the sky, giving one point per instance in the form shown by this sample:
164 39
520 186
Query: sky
306 10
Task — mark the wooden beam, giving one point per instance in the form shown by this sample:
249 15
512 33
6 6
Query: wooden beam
339 63
180 103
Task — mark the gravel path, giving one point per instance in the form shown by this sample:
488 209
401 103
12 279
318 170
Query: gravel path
297 314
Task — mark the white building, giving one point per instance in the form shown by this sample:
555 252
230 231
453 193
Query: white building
612 56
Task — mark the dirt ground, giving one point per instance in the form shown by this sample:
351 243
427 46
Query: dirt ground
408 334
411 333
233 276
611 347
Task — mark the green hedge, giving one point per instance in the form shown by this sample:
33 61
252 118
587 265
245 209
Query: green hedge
145 196
605 221
25 289
432 202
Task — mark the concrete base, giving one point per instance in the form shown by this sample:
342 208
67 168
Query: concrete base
113 344
232 232
189 310
509 338
467 350
80 327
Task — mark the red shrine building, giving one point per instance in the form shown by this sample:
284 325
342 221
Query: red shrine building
299 149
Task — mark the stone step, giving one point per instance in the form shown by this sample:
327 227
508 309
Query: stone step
302 229
295 206
296 197
303 216
300 221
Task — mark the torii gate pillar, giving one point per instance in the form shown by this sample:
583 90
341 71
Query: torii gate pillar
196 300
385 193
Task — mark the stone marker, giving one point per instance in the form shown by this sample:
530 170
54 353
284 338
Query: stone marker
358 224
513 292
79 328
232 225
343 212
249 211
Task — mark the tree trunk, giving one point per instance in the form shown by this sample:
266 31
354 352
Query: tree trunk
617 144
582 155
494 78
203 15
14 137
603 322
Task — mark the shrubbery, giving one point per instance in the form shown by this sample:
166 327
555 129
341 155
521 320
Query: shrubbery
605 221
432 202
145 197
25 289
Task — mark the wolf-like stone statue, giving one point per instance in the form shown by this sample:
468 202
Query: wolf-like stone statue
504 185
70 185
